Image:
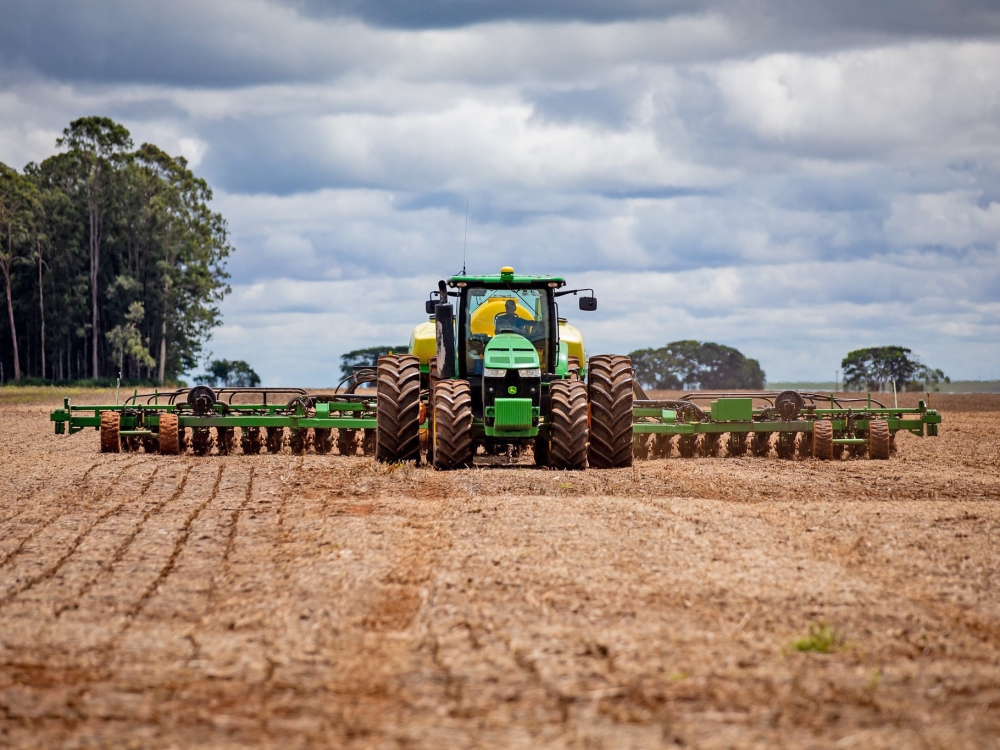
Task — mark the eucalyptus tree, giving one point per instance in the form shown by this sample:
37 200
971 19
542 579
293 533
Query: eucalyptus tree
18 204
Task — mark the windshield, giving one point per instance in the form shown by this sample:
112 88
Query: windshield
492 311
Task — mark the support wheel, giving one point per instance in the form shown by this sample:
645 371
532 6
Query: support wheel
822 440
452 429
610 382
169 434
111 441
879 440
568 427
398 436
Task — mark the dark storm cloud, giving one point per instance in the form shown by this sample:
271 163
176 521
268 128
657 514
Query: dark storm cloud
973 18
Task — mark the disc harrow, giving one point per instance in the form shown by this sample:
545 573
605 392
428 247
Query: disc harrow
232 420
817 425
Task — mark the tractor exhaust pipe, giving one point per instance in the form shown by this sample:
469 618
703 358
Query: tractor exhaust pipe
444 316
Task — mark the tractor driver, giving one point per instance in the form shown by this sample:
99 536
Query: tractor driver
509 321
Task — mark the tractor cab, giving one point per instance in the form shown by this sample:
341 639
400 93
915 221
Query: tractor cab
501 333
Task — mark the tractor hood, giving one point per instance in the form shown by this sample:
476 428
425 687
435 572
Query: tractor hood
509 351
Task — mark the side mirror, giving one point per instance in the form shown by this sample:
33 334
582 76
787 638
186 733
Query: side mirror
429 306
588 304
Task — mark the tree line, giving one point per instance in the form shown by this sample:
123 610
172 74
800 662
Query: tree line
112 260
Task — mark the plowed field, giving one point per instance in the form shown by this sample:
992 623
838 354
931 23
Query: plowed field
325 601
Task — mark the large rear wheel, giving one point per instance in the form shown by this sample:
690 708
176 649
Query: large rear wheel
568 425
452 424
398 435
610 383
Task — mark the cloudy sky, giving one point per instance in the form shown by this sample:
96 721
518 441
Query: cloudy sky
795 178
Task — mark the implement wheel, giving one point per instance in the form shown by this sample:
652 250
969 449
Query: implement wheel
879 440
398 417
568 426
822 440
169 434
610 382
452 424
110 439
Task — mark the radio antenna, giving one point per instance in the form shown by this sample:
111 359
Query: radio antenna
465 242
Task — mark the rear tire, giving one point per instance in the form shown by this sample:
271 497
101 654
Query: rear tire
452 424
568 426
573 368
111 441
610 383
822 440
398 418
879 440
169 437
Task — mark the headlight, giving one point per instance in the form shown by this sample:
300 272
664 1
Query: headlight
535 373
494 372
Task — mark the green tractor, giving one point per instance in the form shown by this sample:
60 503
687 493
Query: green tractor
504 371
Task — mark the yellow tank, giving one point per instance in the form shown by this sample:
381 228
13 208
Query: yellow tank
423 341
574 341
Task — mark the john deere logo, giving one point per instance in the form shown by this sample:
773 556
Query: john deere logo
511 389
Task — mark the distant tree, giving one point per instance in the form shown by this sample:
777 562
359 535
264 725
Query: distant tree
367 357
99 146
127 340
693 364
18 202
876 367
235 374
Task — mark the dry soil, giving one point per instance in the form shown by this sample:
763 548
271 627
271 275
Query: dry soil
325 601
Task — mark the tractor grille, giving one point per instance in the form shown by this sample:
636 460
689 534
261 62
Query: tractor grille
513 414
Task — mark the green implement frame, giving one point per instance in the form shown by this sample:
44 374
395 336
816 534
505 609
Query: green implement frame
791 415
202 408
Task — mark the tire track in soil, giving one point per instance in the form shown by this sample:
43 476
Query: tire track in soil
21 499
53 569
119 553
66 508
133 612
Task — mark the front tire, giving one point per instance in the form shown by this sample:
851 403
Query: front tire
452 424
610 384
398 418
568 428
